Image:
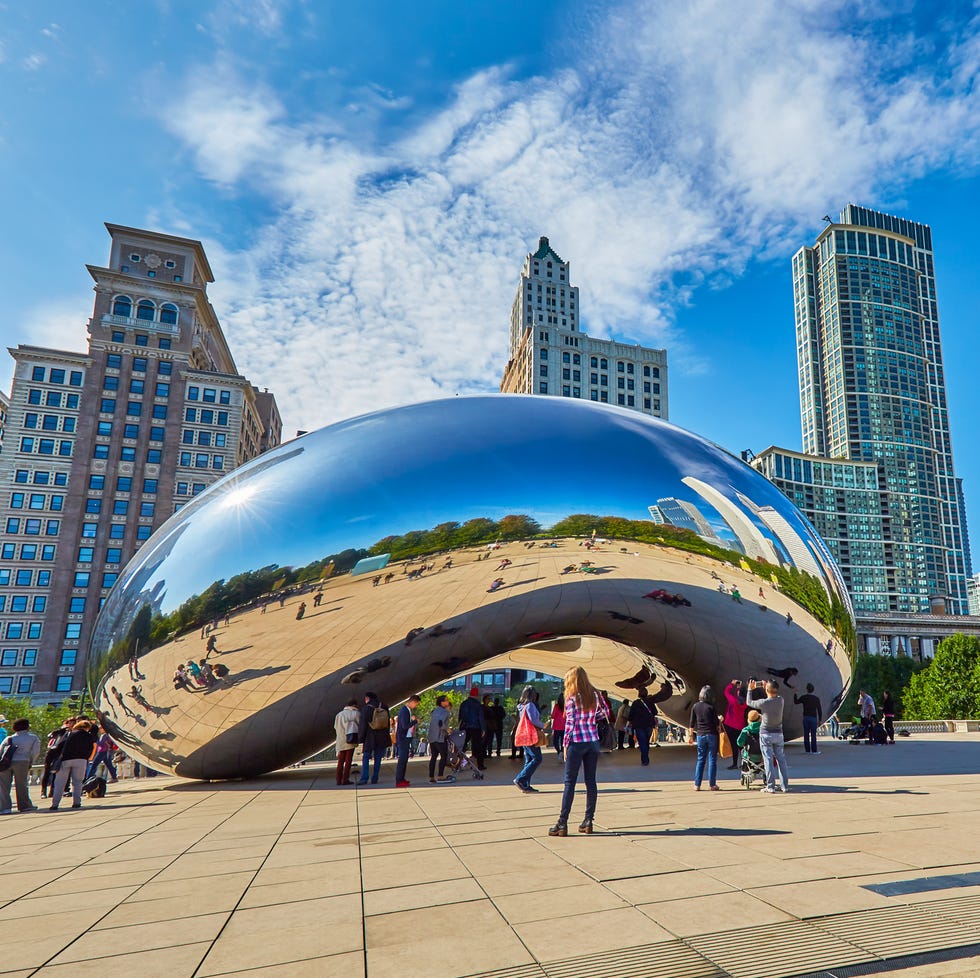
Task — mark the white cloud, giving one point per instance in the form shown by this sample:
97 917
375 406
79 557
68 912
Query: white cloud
686 141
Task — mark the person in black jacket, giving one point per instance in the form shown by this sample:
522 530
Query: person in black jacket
812 717
374 740
76 751
473 720
55 740
704 731
643 717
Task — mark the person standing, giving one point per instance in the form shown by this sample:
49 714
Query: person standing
346 725
3 725
104 749
404 731
582 709
473 721
704 732
888 712
643 717
558 726
867 706
372 734
77 750
499 714
438 736
490 721
812 718
26 748
622 722
734 717
51 755
770 704
528 736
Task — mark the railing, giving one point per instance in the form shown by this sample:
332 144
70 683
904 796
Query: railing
148 324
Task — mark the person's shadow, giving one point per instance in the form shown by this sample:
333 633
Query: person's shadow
246 675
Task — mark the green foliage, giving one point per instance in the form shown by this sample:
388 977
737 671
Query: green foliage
43 719
876 673
428 702
949 687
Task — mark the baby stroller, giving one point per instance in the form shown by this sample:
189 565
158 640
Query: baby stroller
752 767
458 759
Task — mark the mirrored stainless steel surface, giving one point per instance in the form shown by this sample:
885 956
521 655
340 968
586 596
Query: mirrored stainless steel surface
397 550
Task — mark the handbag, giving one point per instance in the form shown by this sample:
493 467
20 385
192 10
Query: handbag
526 734
724 744
7 754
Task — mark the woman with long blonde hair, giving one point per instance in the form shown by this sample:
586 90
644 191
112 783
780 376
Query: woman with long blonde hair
584 709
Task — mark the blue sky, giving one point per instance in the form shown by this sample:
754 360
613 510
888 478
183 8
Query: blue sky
367 183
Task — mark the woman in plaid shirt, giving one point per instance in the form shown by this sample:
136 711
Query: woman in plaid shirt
583 710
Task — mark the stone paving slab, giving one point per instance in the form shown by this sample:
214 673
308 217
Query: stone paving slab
873 855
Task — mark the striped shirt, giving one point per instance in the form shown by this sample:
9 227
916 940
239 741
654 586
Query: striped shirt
580 725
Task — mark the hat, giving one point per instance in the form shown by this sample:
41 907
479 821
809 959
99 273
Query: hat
474 691
3 717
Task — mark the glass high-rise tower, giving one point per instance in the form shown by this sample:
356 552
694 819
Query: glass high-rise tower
872 389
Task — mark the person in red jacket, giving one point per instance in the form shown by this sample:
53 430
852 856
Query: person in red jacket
734 720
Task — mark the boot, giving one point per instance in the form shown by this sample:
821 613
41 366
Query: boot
586 826
559 828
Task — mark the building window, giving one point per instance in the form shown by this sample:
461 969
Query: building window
37 373
63 684
543 387
113 361
81 579
168 314
153 456
30 657
69 656
24 685
145 310
165 366
113 555
139 365
117 531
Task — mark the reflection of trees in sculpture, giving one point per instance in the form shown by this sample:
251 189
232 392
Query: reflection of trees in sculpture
245 589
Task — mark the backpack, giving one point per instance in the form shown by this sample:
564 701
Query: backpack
7 754
380 719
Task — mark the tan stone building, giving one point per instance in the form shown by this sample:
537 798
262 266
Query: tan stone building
101 448
550 355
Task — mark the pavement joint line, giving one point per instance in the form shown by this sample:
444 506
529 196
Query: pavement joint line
256 796
78 866
360 873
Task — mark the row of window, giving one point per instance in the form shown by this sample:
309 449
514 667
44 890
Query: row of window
120 507
36 500
127 453
45 446
201 461
49 422
117 531
118 336
190 489
136 386
25 683
113 361
145 310
626 400
18 603
134 409
208 395
9 658
203 438
15 630
130 431
205 416
51 398
124 483
28 551
32 527
56 375
83 579
25 578
113 555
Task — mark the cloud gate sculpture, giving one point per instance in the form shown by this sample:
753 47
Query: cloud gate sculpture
397 550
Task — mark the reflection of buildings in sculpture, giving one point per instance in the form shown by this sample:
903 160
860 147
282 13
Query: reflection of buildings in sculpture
973 593
679 512
800 555
549 355
753 541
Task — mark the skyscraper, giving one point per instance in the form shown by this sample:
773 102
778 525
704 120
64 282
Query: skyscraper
549 354
872 390
101 447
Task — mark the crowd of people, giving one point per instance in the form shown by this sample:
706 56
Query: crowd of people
74 756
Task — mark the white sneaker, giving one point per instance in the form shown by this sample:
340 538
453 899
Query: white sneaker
815 752
768 791
781 788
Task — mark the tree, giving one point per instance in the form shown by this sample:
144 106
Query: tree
876 673
949 688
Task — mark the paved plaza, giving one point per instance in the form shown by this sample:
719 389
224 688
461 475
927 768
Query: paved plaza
873 856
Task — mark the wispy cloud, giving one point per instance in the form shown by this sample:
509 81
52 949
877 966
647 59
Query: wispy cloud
683 143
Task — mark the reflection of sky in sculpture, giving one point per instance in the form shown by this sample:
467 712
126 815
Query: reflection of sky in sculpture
520 464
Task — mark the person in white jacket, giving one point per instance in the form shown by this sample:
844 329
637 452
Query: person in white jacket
345 725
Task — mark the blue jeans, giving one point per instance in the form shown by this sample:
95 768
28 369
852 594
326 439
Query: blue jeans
643 735
532 758
402 749
707 754
774 756
580 754
378 753
101 758
810 725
